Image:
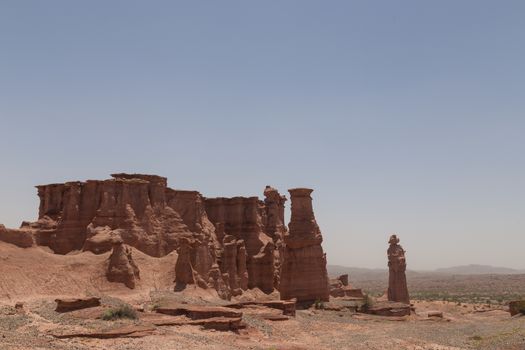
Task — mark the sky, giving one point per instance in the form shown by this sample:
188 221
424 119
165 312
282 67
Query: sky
405 117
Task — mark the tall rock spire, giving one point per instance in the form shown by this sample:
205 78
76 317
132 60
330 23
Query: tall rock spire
303 274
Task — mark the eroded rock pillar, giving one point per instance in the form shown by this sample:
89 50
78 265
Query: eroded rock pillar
303 274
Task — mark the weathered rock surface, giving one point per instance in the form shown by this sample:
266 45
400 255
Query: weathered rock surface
287 306
397 282
229 244
217 323
242 218
70 304
339 288
303 274
121 267
22 238
275 227
388 308
127 331
196 312
517 307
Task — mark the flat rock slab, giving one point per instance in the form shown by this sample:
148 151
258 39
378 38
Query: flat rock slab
125 331
70 304
217 323
271 317
438 314
287 306
198 312
389 308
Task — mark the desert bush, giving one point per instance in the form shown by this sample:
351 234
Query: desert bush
319 304
122 311
367 303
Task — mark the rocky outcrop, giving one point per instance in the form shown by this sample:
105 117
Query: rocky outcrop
388 308
22 238
275 227
229 244
397 281
220 282
303 274
121 267
242 218
339 288
197 312
133 205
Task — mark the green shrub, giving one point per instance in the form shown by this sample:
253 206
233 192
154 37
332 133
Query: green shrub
122 311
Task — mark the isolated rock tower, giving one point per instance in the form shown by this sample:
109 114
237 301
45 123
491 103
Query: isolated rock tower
397 281
303 274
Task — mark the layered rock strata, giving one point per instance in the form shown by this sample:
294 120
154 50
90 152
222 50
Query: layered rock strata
228 244
303 273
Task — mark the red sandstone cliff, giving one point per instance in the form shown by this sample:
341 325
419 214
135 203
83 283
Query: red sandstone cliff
303 274
229 244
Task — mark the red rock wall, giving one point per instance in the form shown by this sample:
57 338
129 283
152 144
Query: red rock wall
230 244
242 218
303 273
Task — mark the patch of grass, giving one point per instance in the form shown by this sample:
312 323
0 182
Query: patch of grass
122 311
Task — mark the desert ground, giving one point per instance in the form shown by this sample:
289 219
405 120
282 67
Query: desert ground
32 279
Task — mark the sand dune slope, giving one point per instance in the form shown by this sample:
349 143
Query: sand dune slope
34 272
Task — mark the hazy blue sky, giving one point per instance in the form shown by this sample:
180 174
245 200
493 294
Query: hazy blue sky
404 116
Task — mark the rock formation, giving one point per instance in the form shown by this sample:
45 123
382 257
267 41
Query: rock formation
339 287
22 238
275 227
303 274
229 244
397 282
242 218
121 267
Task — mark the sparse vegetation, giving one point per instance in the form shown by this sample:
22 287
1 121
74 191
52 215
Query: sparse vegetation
319 304
368 302
122 311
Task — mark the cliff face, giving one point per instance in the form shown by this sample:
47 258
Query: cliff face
230 244
242 219
133 206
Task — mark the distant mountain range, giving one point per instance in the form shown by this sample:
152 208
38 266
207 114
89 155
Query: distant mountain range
479 270
358 273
